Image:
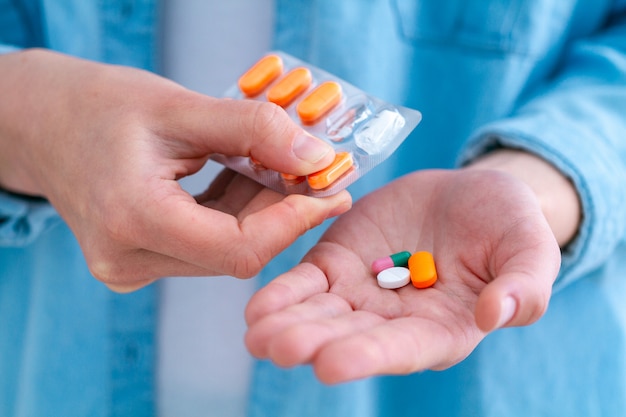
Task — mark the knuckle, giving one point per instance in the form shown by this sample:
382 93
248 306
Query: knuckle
303 210
109 264
246 264
104 270
110 270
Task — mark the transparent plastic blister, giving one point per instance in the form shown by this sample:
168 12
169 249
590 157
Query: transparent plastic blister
363 130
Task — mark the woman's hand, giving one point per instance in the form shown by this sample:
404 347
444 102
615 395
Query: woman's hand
496 256
106 145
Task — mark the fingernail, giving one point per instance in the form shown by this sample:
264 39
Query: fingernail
507 310
310 149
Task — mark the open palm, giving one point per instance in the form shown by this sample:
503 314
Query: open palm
496 259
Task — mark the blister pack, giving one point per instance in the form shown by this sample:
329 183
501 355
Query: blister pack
363 130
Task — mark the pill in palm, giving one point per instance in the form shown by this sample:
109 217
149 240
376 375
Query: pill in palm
422 268
397 259
394 277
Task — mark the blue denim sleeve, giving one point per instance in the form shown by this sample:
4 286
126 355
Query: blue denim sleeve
23 218
577 121
5 49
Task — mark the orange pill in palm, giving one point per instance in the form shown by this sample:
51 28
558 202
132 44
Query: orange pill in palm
260 75
290 86
325 177
319 102
423 271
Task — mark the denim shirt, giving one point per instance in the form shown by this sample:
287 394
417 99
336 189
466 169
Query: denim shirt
68 345
547 76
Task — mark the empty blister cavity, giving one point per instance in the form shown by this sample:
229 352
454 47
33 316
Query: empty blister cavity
375 134
342 124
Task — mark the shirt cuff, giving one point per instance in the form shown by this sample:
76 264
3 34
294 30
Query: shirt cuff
5 49
23 218
595 171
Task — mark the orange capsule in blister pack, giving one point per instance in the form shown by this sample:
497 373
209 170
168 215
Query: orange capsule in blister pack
322 179
290 86
260 75
291 178
319 102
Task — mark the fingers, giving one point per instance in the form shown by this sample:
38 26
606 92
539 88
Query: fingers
285 329
297 285
519 295
344 345
173 235
250 128
302 343
512 300
399 346
211 243
214 240
272 229
294 320
231 192
284 317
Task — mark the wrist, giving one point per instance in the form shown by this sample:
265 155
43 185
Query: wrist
16 120
556 194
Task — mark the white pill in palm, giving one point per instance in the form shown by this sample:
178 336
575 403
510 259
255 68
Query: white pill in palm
393 278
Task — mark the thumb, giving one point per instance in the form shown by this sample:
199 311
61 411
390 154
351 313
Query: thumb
513 299
261 130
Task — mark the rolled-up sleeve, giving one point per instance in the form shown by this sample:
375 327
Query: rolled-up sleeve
577 121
